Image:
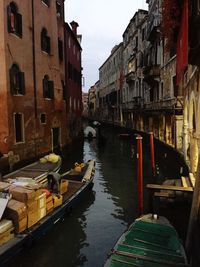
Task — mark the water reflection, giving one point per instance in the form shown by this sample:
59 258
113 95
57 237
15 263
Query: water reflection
86 236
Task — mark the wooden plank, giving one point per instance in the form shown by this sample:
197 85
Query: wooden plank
185 181
169 187
148 258
163 194
192 179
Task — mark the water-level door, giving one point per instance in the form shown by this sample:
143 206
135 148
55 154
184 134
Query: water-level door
55 139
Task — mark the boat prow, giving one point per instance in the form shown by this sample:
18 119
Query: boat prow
150 241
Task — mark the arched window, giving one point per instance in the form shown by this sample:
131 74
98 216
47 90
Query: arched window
45 41
14 19
48 87
17 83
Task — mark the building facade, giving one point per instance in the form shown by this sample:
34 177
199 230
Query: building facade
33 85
110 85
73 79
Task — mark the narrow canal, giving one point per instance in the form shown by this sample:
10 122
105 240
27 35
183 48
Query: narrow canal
86 235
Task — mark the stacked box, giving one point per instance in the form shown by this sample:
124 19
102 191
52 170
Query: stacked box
41 205
49 203
32 212
4 186
22 194
57 200
28 197
63 186
17 212
6 231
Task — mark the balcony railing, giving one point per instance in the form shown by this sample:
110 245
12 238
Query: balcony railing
171 103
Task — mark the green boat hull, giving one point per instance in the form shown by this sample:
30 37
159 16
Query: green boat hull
149 242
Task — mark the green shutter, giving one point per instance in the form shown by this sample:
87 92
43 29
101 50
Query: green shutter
22 83
19 25
8 18
12 85
51 89
48 44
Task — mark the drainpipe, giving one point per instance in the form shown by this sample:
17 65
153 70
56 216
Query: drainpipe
33 54
34 73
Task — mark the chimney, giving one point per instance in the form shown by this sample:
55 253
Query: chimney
74 26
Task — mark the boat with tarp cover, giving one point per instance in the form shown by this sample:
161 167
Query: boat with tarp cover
37 202
150 241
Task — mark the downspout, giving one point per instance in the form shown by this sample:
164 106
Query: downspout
33 54
34 75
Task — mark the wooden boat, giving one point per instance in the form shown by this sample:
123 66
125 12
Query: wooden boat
150 241
89 132
38 170
78 183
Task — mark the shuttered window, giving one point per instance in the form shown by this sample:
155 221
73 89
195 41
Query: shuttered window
60 49
45 41
48 88
14 20
17 81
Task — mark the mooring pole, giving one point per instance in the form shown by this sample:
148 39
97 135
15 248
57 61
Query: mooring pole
139 174
152 153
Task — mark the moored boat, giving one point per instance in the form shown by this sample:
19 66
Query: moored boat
39 209
150 241
89 132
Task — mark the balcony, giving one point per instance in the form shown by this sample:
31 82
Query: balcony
151 73
174 105
135 104
152 28
130 77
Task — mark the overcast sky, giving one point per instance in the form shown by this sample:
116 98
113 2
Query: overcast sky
101 23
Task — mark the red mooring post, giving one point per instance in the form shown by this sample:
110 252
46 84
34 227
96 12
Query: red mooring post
139 174
152 153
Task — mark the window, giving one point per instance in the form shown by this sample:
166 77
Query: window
17 84
14 20
48 88
45 41
60 49
46 2
58 9
43 118
18 123
64 90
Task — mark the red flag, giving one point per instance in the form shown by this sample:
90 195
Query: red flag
182 44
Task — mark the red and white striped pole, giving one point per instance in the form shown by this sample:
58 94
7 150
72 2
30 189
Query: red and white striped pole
152 153
139 174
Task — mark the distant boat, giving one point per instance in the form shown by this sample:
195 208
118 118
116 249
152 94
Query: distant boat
96 123
89 132
150 241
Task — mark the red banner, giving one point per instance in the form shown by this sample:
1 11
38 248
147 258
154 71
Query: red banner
182 44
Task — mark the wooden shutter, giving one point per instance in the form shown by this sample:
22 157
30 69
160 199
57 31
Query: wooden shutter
9 18
22 83
51 89
19 24
60 49
44 86
48 44
12 85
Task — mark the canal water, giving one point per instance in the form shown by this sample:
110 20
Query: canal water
85 236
